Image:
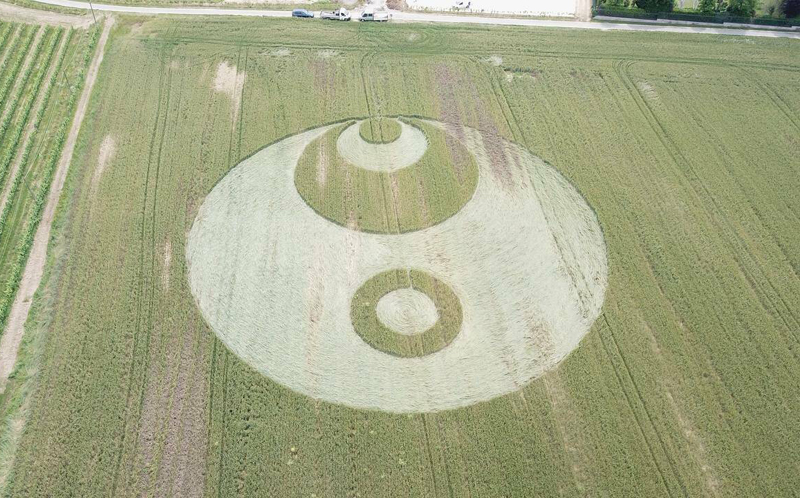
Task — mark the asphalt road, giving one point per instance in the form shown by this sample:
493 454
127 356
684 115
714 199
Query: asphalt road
428 17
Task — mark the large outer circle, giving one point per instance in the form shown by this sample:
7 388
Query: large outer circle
274 280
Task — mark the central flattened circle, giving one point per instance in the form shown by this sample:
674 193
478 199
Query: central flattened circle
407 311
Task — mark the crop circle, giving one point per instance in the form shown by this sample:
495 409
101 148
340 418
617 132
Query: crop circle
380 130
405 339
275 280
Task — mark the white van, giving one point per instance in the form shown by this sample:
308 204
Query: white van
370 14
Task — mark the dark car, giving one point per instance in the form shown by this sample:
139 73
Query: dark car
302 13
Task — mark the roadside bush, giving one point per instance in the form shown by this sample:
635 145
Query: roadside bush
708 6
656 5
743 8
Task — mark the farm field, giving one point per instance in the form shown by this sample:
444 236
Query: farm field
139 368
40 76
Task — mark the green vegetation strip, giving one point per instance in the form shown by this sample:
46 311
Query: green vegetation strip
5 30
27 98
380 130
12 284
18 56
367 324
406 200
29 145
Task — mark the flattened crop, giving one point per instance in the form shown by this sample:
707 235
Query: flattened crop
515 267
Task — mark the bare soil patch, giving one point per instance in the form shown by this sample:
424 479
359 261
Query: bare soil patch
230 81
167 265
107 151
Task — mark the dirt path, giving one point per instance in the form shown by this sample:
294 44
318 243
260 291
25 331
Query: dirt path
32 276
29 128
15 13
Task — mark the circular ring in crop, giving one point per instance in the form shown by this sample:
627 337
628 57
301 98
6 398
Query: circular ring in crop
379 130
275 281
375 191
368 323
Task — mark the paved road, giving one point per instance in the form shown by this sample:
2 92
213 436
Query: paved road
426 17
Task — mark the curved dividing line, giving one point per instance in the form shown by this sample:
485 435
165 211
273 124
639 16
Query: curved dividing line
32 276
434 18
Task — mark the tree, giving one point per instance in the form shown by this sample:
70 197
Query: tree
743 8
656 5
707 6
790 8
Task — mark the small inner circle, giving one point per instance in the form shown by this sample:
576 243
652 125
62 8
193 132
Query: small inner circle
406 150
380 130
407 311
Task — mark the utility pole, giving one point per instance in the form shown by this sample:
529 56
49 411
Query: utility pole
92 9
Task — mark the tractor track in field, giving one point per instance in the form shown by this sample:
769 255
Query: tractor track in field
466 52
225 363
741 255
151 238
704 361
779 102
34 268
604 326
698 119
142 280
556 393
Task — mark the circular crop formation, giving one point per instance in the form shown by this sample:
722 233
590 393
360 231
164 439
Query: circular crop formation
359 193
380 130
406 313
439 269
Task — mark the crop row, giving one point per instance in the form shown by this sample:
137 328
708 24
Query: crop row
5 30
17 180
56 143
28 98
11 103
16 60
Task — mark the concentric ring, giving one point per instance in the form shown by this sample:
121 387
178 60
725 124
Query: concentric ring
367 324
359 195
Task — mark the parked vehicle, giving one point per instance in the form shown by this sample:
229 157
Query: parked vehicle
370 14
341 14
302 13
